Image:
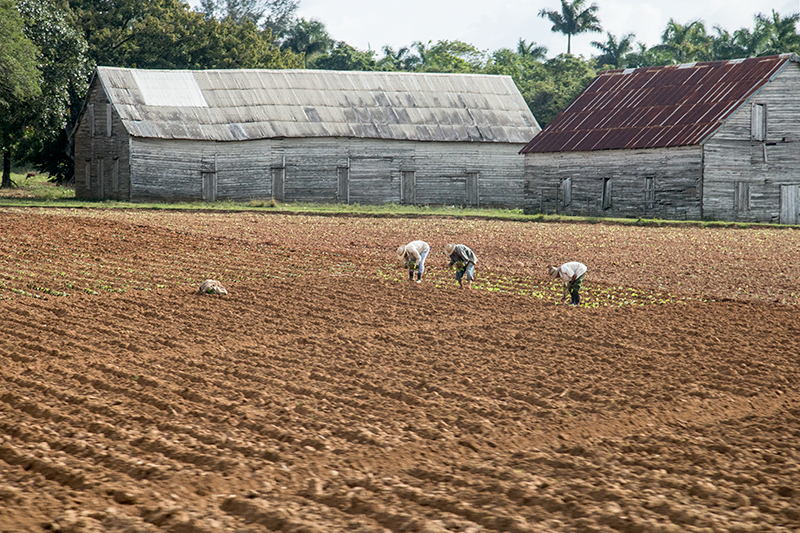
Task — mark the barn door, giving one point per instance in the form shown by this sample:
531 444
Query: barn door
472 188
343 185
408 188
278 175
790 204
209 186
370 180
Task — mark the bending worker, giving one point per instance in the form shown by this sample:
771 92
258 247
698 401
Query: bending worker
571 275
464 260
413 256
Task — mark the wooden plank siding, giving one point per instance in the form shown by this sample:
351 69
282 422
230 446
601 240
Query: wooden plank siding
173 170
675 188
102 154
731 156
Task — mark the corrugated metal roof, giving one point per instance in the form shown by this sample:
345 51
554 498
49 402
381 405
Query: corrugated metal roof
227 105
655 107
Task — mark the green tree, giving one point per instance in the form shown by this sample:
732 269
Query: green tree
507 62
779 33
685 43
613 49
549 87
402 59
450 56
724 46
243 10
274 15
237 10
531 50
109 26
280 17
167 34
50 25
344 57
749 43
308 38
518 64
573 19
19 81
642 56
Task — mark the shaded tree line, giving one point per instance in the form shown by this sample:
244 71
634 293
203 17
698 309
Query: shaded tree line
49 48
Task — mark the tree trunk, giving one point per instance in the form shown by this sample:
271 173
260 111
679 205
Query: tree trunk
6 170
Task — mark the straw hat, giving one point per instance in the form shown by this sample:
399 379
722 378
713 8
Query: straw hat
553 271
401 253
448 248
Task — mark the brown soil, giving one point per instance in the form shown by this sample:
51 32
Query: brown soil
326 393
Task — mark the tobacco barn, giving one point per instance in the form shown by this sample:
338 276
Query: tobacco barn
302 135
699 141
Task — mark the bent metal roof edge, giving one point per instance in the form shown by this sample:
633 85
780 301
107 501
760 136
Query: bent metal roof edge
232 105
656 107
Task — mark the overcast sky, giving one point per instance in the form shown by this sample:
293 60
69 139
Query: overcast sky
490 25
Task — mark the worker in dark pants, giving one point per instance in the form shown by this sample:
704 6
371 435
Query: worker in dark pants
413 257
571 275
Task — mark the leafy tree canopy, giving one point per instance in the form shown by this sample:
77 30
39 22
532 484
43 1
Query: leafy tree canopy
344 57
614 50
18 59
19 82
450 56
166 34
308 38
551 86
401 59
39 122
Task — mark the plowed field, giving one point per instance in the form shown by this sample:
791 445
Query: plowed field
327 393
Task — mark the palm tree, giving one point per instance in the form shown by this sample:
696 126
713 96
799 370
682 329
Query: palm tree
780 33
685 43
742 43
402 59
423 52
308 37
531 50
613 50
573 19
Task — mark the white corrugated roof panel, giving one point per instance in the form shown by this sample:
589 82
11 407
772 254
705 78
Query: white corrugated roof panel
169 88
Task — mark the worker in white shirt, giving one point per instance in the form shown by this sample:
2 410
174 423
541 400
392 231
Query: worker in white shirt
413 256
571 275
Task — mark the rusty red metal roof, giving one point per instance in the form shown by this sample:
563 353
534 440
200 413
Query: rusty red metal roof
655 107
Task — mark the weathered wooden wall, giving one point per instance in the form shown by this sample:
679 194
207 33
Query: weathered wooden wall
102 161
731 156
312 170
172 170
675 172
